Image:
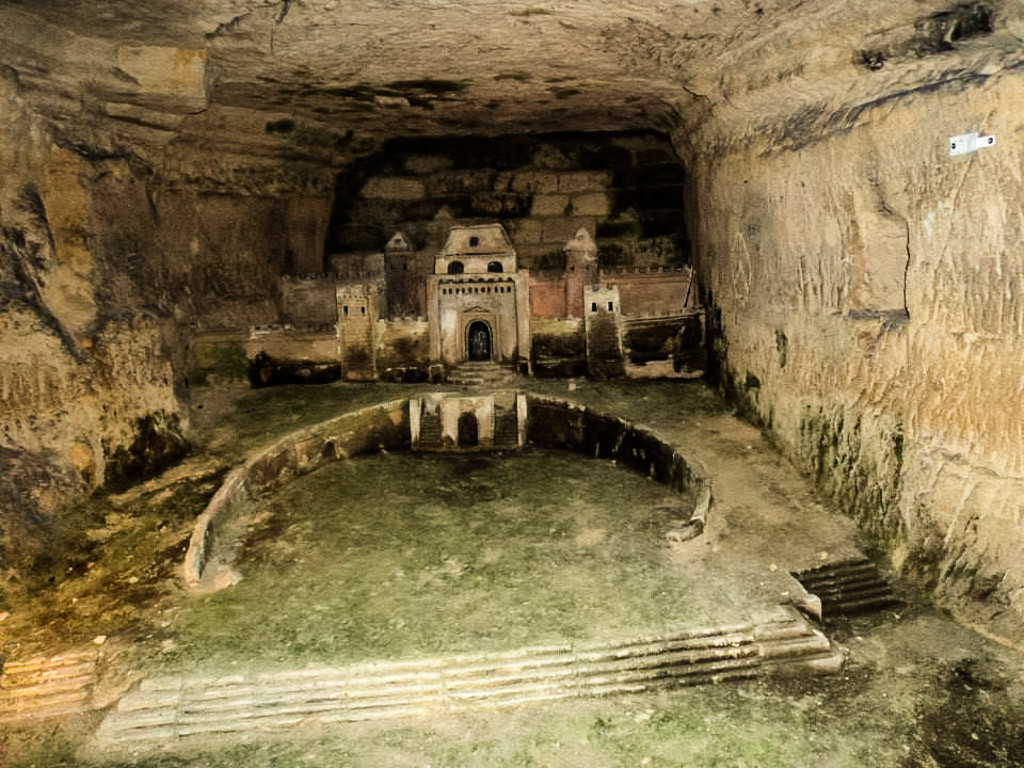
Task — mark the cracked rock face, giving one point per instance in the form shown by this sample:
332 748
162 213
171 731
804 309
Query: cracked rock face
209 77
166 163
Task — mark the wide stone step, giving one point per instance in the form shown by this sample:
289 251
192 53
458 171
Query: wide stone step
179 708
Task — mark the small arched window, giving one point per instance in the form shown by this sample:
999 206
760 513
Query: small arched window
456 268
495 266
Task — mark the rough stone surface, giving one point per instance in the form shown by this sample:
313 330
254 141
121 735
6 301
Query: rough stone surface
908 408
605 181
163 164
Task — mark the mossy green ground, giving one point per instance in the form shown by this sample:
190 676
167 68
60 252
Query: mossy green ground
918 691
403 555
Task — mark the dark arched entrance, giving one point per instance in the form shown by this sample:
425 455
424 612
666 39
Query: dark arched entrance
468 430
478 341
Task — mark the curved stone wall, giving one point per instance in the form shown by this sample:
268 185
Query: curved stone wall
220 530
557 423
551 423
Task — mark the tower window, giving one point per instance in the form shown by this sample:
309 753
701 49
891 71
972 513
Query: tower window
456 268
610 306
495 266
345 310
474 242
362 310
593 307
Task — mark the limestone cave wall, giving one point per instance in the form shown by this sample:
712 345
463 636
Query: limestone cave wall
82 379
624 188
867 302
104 272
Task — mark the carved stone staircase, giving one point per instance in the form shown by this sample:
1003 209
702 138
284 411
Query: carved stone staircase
430 430
164 711
506 428
849 587
41 688
486 374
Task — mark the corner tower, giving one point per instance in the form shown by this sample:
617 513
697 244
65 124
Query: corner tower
580 270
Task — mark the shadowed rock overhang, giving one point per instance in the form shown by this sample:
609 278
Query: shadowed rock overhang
319 82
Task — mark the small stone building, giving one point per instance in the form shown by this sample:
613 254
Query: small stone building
477 300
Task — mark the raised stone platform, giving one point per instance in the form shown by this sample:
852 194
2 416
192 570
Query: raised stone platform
169 712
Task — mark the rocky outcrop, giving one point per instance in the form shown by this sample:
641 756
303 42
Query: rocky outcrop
868 295
103 271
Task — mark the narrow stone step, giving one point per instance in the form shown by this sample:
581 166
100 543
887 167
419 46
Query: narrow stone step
842 596
843 566
44 687
12 675
870 604
853 586
850 578
816 643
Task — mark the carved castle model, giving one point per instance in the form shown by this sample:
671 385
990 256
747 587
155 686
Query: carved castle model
407 316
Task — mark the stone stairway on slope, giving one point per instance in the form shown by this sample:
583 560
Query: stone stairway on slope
506 428
165 711
41 688
848 587
485 374
430 430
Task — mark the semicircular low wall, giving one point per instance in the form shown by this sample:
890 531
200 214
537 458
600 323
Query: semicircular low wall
220 529
557 423
551 423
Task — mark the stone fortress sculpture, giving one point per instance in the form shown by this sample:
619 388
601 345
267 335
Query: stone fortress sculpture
404 315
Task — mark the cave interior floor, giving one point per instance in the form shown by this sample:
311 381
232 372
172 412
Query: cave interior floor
916 690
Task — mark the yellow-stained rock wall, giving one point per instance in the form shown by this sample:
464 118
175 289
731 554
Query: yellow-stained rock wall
105 273
867 292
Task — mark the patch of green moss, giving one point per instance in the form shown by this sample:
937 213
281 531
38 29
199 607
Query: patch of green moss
216 363
505 548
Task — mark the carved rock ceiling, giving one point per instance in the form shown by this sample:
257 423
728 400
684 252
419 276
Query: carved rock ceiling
211 74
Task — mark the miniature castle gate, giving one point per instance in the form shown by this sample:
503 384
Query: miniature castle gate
477 299
471 303
446 421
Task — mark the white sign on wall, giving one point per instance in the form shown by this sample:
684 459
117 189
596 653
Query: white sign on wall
969 142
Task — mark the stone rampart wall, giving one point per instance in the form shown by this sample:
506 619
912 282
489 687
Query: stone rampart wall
652 294
309 301
547 296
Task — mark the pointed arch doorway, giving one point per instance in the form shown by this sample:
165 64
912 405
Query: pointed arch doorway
478 341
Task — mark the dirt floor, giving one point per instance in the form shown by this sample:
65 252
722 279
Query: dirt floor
917 689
